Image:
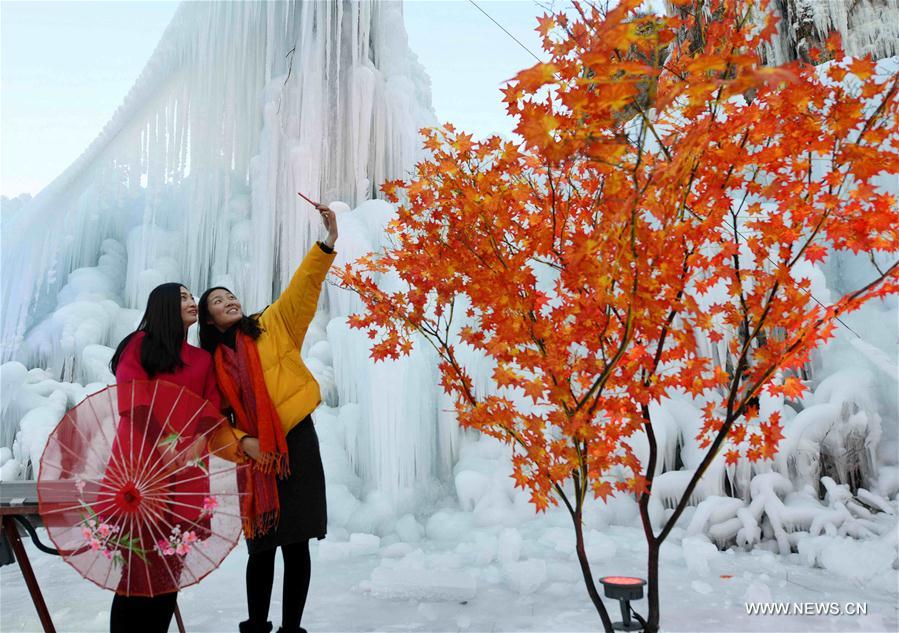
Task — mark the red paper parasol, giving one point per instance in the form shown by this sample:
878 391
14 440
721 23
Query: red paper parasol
129 493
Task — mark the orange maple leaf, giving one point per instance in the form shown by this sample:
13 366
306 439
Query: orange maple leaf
533 78
793 388
815 253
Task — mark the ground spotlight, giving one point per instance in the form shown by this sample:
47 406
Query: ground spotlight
624 589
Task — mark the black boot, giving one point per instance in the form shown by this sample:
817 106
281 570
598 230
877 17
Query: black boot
299 629
252 627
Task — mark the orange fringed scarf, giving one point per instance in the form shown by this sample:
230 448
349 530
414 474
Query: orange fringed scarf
242 382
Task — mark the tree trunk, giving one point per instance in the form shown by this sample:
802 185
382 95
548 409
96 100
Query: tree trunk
652 594
588 576
652 543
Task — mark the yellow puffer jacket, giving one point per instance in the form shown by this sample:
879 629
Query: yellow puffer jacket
290 384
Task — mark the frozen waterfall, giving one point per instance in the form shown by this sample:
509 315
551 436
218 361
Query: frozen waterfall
194 179
241 105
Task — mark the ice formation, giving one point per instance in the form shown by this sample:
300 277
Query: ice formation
194 179
867 27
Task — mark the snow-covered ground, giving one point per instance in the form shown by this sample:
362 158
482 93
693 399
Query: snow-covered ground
483 582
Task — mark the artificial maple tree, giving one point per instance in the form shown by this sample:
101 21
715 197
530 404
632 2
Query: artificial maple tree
640 238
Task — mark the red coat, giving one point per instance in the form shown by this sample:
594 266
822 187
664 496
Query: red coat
189 487
197 374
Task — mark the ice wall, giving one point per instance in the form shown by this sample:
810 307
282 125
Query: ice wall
867 27
241 105
194 179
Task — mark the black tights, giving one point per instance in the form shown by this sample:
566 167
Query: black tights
261 576
142 615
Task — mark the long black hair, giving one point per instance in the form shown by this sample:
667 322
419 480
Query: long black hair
211 336
160 351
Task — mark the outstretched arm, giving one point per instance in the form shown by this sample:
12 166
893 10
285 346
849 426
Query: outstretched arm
297 304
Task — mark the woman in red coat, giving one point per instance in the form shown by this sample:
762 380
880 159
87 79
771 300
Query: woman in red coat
158 350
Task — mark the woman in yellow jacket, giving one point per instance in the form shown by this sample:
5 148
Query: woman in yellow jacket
272 393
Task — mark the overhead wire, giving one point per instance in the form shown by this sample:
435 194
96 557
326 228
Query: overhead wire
490 17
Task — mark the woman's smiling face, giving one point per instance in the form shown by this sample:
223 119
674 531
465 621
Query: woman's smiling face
188 308
224 309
